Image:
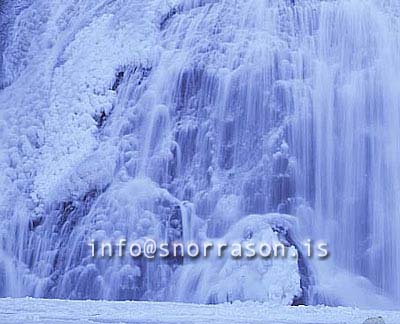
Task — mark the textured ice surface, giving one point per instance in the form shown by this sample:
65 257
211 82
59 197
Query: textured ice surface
219 280
179 119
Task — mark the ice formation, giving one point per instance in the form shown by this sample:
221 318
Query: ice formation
182 117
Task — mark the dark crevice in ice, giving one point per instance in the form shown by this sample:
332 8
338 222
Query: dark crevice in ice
306 276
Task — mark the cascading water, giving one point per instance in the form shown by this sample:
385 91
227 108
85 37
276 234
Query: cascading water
356 146
176 120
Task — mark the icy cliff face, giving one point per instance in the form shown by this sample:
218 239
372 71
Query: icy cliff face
175 120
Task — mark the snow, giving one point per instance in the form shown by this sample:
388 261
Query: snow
41 311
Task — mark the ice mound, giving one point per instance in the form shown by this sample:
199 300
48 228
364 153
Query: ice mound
226 279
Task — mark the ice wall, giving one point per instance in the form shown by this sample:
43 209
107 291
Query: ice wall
176 119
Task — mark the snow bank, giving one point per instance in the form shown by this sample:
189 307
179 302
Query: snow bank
57 312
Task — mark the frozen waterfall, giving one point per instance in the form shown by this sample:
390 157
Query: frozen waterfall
194 120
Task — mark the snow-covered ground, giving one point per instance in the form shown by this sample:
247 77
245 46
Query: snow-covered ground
61 311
